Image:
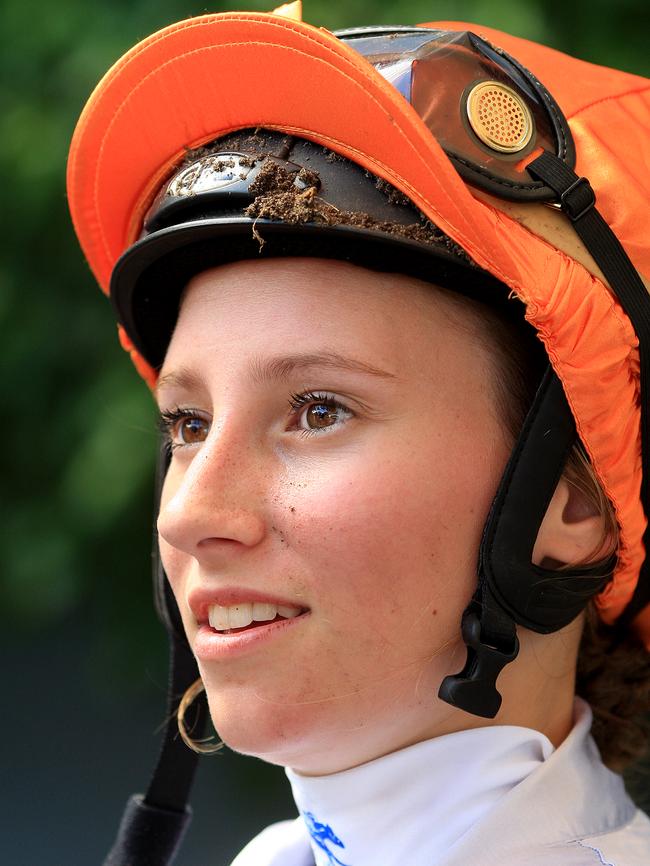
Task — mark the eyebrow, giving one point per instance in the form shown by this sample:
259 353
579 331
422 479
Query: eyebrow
264 370
182 378
282 367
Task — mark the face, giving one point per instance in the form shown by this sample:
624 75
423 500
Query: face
335 452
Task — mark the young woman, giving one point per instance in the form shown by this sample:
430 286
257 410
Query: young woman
405 463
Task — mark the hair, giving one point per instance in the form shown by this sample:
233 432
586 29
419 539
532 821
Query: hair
613 666
206 746
614 677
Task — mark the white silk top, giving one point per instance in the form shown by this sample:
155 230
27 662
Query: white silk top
493 796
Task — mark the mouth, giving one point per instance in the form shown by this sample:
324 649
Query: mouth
236 619
228 632
248 616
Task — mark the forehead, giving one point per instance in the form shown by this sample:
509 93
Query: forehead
301 303
396 344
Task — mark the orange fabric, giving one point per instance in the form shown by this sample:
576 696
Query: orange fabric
609 115
207 76
144 369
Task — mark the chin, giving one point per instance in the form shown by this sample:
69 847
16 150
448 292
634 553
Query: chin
264 727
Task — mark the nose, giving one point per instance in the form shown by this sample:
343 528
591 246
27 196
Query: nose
212 504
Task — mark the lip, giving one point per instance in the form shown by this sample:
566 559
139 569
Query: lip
209 645
200 599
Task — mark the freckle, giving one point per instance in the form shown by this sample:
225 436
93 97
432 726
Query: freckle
434 612
292 508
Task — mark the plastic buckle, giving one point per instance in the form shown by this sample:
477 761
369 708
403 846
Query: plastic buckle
474 688
578 199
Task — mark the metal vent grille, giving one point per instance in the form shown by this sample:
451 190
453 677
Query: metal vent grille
499 118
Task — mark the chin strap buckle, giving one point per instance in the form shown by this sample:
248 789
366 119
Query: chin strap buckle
474 688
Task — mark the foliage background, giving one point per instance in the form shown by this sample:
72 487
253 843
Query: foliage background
81 645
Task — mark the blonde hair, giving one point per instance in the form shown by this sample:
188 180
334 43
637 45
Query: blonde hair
207 746
580 474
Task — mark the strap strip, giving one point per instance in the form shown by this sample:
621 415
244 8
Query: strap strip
538 598
511 589
147 836
153 826
174 773
578 202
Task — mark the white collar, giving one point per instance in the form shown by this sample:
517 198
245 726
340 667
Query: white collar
421 799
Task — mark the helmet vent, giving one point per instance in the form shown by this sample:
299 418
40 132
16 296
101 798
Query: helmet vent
499 117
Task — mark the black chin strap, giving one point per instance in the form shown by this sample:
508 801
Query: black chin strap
153 826
491 639
511 590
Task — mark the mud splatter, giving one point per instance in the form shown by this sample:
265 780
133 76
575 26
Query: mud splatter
293 196
279 198
394 196
245 141
333 156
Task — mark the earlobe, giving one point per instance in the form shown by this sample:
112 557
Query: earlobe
572 530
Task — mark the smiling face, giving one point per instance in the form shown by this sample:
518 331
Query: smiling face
336 448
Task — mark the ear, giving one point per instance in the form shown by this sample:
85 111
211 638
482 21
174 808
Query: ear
572 529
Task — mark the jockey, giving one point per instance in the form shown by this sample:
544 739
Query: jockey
389 289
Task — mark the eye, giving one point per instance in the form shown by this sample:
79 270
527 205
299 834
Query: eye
184 427
317 413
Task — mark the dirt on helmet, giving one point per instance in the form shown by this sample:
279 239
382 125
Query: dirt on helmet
281 195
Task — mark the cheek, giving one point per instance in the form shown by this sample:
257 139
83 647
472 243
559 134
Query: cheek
393 535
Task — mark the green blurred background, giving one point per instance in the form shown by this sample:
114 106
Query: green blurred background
84 655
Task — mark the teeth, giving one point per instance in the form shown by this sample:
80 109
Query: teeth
218 618
240 615
264 612
243 614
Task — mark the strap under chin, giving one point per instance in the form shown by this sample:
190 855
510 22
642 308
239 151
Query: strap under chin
537 598
511 589
153 826
492 643
148 836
